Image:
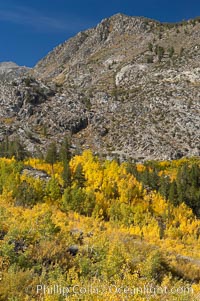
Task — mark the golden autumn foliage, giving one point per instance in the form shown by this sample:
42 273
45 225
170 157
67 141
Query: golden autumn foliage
104 237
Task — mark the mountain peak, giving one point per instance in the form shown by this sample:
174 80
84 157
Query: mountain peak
127 87
122 22
8 65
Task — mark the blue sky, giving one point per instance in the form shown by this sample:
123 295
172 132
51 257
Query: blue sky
30 29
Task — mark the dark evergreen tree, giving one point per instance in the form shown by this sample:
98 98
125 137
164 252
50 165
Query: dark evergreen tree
164 185
52 155
154 179
182 182
191 176
25 195
74 199
65 153
17 150
173 196
185 188
171 51
65 157
160 53
132 169
13 148
79 176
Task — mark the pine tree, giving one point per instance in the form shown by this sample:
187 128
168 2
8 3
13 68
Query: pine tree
161 52
79 176
164 186
51 155
65 157
182 182
171 51
65 153
173 197
66 175
15 148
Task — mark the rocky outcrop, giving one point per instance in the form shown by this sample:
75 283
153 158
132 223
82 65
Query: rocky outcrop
128 87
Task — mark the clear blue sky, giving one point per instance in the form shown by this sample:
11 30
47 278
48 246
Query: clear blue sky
31 28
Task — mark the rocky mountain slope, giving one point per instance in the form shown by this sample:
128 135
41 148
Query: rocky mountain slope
128 87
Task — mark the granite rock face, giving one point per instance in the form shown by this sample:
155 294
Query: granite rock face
130 87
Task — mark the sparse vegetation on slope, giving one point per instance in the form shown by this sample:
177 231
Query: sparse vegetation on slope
128 87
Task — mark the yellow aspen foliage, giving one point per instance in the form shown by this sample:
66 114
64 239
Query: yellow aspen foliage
159 205
140 167
129 189
196 290
103 229
91 167
151 232
42 165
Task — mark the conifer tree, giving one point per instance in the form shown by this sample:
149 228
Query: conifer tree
173 193
79 176
51 155
65 157
164 186
171 51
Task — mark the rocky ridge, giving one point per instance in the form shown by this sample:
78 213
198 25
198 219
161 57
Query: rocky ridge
128 87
